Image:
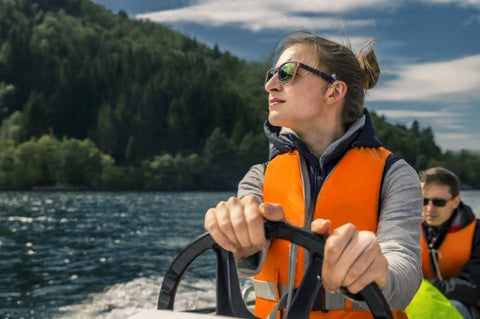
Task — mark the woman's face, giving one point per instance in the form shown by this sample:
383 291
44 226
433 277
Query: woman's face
298 104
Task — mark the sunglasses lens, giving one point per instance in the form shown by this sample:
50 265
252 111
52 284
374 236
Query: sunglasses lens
270 74
286 72
438 202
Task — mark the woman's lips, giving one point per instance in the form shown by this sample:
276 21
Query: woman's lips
274 101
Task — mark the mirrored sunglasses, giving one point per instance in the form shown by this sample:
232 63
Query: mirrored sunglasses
288 70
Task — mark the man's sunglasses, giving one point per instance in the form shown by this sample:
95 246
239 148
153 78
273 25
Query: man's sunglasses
288 70
437 202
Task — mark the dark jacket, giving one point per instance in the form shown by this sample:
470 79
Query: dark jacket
466 287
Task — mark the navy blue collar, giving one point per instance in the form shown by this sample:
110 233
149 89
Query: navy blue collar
283 143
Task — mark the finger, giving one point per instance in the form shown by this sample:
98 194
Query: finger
238 222
377 272
222 216
369 250
336 262
211 226
321 226
273 212
256 229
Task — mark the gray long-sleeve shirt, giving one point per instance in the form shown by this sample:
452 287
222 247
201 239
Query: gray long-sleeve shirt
399 221
398 229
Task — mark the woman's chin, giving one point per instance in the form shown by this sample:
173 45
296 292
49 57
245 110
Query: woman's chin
275 120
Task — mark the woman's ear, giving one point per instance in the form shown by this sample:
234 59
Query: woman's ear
336 92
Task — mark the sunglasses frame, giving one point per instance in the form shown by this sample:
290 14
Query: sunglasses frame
271 73
437 202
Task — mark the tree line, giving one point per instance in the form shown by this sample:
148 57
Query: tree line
91 98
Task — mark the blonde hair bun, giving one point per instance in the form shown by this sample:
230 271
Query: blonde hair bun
368 63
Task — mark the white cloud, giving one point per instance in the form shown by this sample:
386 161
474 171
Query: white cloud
453 80
328 6
460 3
457 141
406 114
269 14
448 123
257 15
445 119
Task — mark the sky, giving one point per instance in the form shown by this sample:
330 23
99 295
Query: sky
428 50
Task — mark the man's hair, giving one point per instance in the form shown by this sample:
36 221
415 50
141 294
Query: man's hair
440 175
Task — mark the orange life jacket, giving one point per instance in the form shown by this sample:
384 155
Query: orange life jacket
453 253
350 194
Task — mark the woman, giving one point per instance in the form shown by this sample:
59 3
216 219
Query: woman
327 172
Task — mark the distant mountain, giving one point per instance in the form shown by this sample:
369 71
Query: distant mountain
148 96
135 88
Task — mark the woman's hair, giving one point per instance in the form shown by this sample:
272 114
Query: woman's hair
441 176
360 72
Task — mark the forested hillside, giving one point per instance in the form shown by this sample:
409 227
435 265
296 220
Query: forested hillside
153 108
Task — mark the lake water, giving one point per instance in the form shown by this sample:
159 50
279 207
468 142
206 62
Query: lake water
102 254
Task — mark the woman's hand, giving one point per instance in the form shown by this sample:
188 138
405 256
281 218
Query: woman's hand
237 224
352 258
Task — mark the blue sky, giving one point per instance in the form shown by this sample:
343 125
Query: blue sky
429 50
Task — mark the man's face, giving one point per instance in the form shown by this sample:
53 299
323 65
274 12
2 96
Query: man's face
438 194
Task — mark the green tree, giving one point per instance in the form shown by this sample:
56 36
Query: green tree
80 164
10 128
253 149
137 90
221 162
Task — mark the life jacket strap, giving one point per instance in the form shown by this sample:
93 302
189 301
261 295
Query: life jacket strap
268 290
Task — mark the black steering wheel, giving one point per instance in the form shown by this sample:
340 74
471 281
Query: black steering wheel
229 301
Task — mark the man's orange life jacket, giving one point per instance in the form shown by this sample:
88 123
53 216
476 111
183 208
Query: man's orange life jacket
453 253
350 194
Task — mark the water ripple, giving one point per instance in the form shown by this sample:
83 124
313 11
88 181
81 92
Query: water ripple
57 250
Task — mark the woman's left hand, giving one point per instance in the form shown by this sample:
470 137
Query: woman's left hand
352 258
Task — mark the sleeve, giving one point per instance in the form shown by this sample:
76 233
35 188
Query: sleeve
466 287
252 182
399 231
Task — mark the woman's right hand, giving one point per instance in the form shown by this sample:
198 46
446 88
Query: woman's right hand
237 224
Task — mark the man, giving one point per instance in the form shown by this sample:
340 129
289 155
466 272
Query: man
450 241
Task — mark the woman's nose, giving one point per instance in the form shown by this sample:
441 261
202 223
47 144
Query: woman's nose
273 84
